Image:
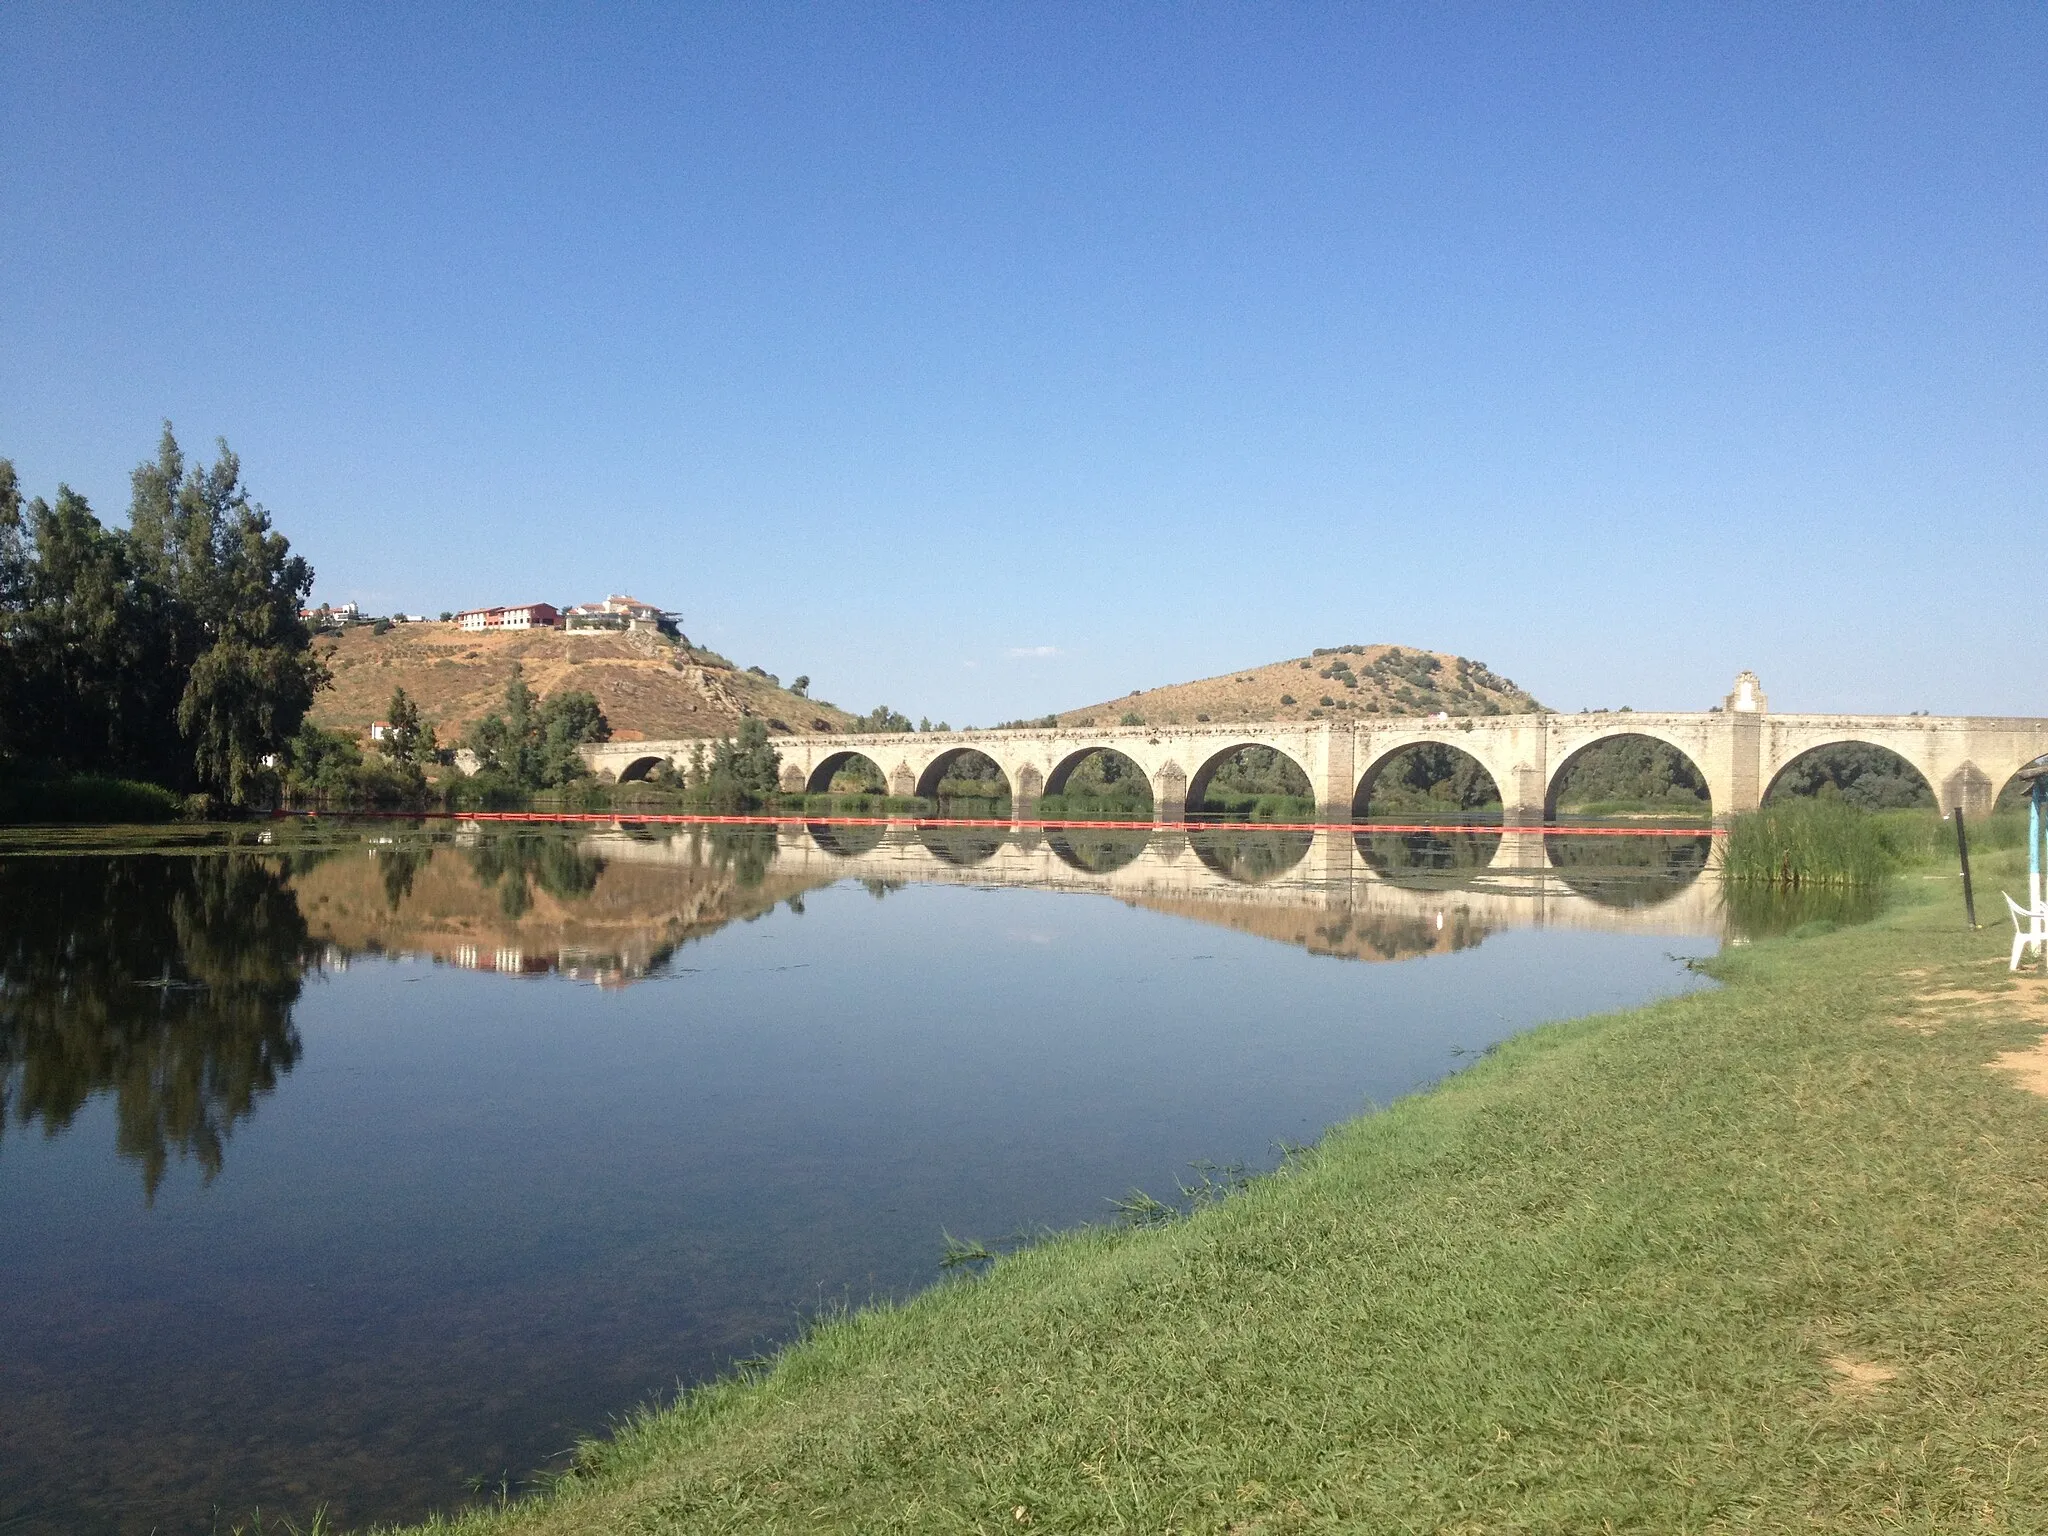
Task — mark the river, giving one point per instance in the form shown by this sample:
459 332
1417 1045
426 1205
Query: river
369 1165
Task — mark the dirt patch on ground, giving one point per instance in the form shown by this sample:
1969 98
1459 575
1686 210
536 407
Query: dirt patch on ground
2018 997
1858 1378
2029 1067
1973 997
1945 1002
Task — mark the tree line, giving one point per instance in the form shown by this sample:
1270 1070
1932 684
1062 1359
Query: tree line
171 650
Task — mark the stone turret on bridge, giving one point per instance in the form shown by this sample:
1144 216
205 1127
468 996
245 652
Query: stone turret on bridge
1739 749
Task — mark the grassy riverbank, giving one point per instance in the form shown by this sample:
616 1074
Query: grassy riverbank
89 799
1762 1258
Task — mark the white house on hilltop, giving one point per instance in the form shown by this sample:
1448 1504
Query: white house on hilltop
614 614
330 614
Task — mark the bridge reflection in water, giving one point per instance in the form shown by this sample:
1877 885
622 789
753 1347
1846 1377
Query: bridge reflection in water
615 906
1356 892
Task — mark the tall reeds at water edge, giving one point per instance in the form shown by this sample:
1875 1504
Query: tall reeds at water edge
1821 843
1815 843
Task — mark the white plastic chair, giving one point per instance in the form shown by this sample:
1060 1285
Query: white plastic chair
2029 930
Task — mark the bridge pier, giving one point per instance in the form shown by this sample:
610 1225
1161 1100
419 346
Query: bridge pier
1332 865
1026 785
1745 762
1969 788
1169 796
1521 849
1337 777
1525 786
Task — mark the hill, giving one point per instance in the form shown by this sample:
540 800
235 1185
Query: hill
1329 683
647 685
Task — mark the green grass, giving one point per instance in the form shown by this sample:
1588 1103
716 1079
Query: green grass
87 799
1132 805
1244 806
1592 1283
875 804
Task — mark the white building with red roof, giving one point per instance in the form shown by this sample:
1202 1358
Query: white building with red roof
520 616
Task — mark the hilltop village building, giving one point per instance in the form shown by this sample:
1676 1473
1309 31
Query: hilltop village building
525 616
330 615
614 614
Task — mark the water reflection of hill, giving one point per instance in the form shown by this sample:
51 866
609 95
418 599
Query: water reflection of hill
537 902
1344 935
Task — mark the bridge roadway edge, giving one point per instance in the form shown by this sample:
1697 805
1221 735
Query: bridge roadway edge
1965 759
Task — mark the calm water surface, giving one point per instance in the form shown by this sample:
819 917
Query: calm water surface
372 1167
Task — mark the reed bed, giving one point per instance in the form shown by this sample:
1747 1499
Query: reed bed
1813 843
1821 843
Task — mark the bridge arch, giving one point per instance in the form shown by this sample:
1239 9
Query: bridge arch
962 847
1097 851
640 768
1118 780
1271 763
1444 860
943 766
1798 771
1560 775
828 767
845 842
1247 854
1475 789
1629 873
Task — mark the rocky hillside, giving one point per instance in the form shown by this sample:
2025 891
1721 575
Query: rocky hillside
647 685
1330 683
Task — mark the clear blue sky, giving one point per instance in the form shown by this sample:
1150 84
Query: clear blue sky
994 359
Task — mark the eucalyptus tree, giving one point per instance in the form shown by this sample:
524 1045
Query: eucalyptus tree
78 669
233 592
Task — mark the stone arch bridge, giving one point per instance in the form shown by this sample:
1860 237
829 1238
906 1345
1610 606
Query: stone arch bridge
1739 750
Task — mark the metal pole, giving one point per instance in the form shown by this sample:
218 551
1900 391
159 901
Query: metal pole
1963 849
2034 851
